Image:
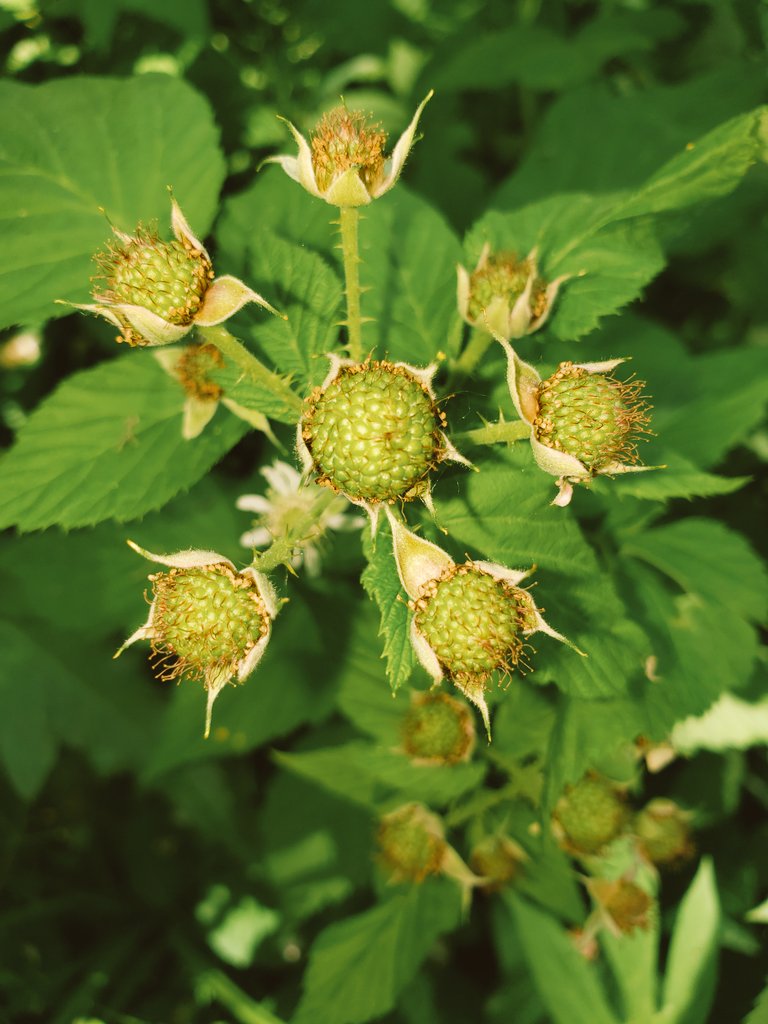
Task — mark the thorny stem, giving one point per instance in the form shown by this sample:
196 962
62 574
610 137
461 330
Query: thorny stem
252 367
349 218
477 346
497 433
302 530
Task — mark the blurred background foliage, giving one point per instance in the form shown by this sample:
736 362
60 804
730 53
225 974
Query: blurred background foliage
148 876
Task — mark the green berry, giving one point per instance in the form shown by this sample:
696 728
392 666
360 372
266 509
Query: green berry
169 279
503 276
411 843
591 416
205 619
626 905
591 814
438 729
343 141
498 861
663 833
373 432
472 622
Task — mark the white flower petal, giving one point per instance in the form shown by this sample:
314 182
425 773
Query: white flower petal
225 297
256 538
401 150
282 478
253 503
564 494
193 558
418 560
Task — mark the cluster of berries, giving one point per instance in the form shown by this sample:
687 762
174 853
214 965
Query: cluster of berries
373 432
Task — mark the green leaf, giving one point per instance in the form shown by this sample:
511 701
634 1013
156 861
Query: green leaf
759 1012
302 286
705 557
569 986
359 966
680 478
690 977
76 146
382 583
107 445
730 724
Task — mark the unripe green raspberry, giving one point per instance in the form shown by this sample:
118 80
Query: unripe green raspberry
591 416
498 861
503 276
205 619
438 729
373 432
663 833
473 622
169 279
591 814
624 905
411 843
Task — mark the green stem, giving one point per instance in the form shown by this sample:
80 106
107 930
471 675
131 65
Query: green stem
252 367
217 985
349 218
303 530
478 344
497 433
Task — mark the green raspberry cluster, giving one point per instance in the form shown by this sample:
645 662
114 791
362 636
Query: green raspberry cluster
411 843
663 833
438 729
373 432
591 814
204 618
503 276
498 861
343 141
472 622
591 416
169 279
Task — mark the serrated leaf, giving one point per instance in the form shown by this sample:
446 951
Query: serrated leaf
689 981
569 986
730 724
358 967
680 478
76 146
382 583
707 558
303 287
107 444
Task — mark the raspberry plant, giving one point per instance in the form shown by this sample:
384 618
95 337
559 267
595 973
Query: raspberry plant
443 400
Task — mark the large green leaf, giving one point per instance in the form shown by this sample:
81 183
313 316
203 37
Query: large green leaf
358 967
706 558
107 445
75 147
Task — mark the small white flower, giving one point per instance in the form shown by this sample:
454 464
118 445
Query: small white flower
207 620
345 164
157 291
292 509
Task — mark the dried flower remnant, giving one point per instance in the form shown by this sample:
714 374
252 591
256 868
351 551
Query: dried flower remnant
589 816
344 163
505 295
663 833
207 620
438 729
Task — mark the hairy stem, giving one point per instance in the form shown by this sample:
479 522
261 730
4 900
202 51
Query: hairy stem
252 367
497 433
349 218
478 344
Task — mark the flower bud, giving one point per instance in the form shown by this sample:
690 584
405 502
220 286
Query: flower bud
206 620
411 843
373 432
663 833
438 729
592 416
590 815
